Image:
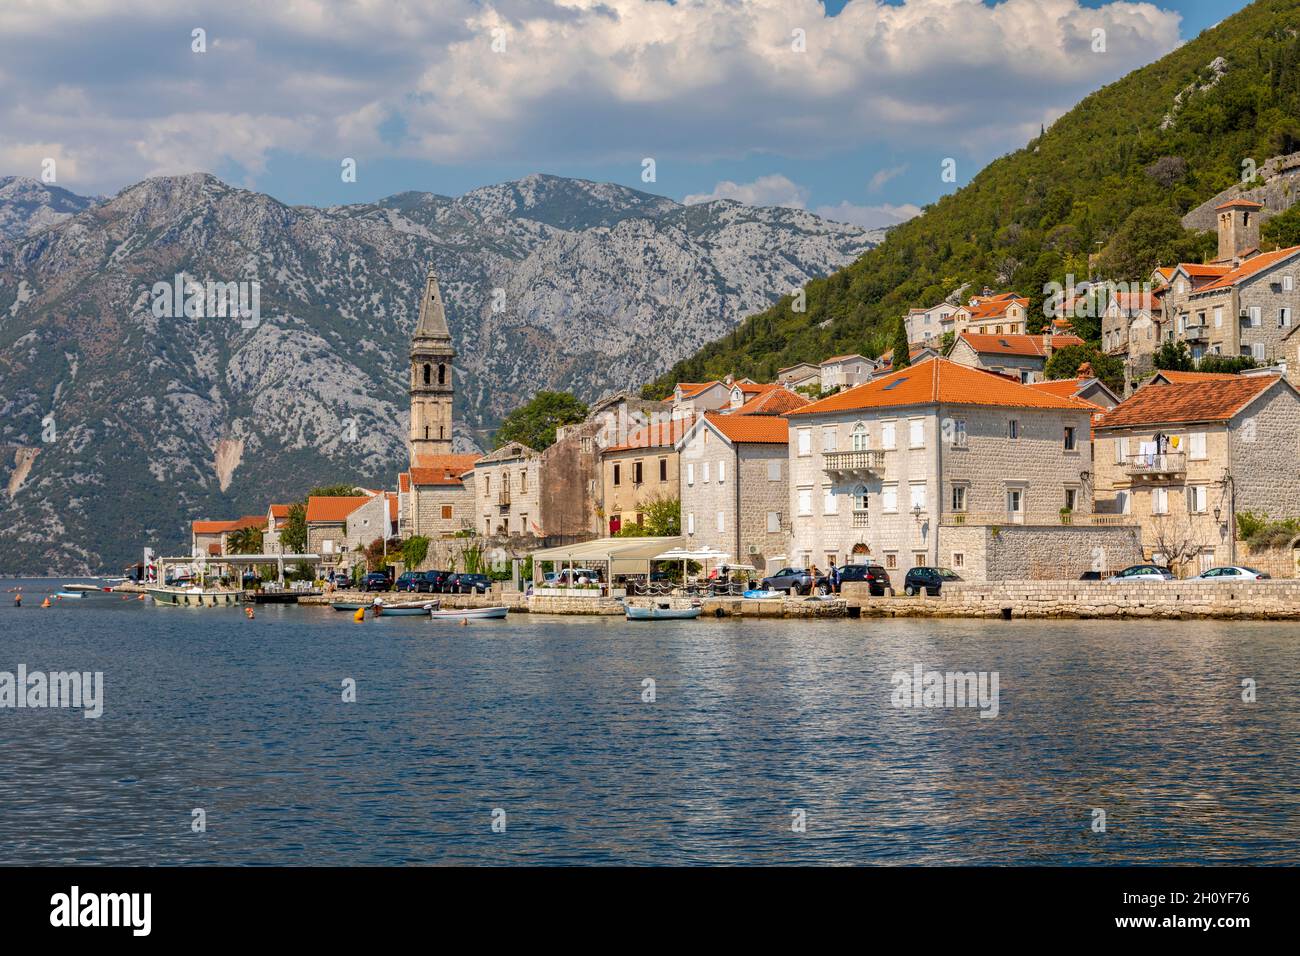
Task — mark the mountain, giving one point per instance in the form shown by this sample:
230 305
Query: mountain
1118 172
27 206
124 419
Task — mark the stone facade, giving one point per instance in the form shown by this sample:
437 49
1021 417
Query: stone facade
735 496
507 486
1026 368
633 478
441 510
951 464
1037 552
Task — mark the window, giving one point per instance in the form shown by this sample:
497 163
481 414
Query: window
1069 438
805 501
959 559
722 472
829 505
1283 318
1196 499
722 521
828 438
1013 429
663 469
1071 498
618 474
916 433
1015 501
958 497
446 512
1218 316
690 523
1288 283
918 559
523 480
1160 501
1257 351
523 522
889 499
1122 502
636 472
860 499
1256 314
1196 446
887 436
1121 450
690 473
891 559
487 486
773 522
859 437
774 470
804 442
704 478
958 433
916 492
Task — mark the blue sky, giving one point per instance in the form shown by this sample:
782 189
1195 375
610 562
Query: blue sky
847 108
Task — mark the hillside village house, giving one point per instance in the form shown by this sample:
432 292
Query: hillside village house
1250 310
327 527
639 472
212 538
277 516
845 371
1183 460
1004 313
1022 356
916 354
437 500
734 487
943 464
928 326
1084 386
1131 329
800 375
507 488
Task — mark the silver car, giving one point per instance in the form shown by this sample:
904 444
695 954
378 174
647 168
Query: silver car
1141 574
1231 573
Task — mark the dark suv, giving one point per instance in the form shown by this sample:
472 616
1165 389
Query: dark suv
931 579
376 581
431 582
407 581
875 576
799 579
468 584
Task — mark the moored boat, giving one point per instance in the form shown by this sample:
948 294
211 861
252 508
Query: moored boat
661 612
406 608
758 594
470 613
195 597
351 605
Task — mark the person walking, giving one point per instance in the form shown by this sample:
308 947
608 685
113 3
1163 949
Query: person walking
812 585
835 576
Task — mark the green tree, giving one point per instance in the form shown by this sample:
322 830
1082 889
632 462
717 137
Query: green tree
661 518
1065 363
1150 236
333 491
1173 357
902 356
1225 364
1282 230
534 424
293 536
245 541
414 550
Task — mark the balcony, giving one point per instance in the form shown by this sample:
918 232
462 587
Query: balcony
854 462
1196 333
1170 464
503 499
960 519
860 519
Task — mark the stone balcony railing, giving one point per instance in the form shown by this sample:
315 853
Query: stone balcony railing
1153 465
960 519
854 462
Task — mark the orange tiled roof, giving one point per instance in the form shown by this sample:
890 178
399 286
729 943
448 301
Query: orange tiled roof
656 435
325 508
939 380
1184 378
1248 268
220 527
1240 203
844 358
691 389
994 306
441 469
753 388
404 481
1136 301
1216 400
1197 270
280 511
752 429
1016 344
392 505
775 402
887 356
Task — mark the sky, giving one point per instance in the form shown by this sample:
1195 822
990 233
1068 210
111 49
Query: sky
849 108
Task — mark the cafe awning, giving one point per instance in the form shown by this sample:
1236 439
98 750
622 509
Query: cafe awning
620 555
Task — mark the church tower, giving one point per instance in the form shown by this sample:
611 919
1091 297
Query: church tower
431 385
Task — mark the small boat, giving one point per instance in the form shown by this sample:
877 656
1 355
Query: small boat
758 594
662 612
470 613
83 588
351 605
69 594
407 608
195 597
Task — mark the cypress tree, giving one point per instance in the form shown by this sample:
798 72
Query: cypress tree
902 354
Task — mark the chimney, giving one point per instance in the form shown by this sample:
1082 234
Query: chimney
1238 228
1085 370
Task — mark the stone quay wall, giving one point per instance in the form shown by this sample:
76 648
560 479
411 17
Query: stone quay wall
1089 599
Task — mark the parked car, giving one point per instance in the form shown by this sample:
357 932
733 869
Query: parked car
468 584
407 581
1231 573
1138 573
377 581
575 575
797 578
1090 576
875 576
431 582
931 579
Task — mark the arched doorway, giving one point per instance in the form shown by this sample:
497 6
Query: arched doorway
860 553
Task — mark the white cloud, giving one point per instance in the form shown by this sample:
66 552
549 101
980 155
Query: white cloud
885 175
869 217
579 80
774 190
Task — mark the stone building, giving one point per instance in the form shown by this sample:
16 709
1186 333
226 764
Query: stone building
1250 310
327 527
437 499
642 470
1003 313
1132 328
212 538
1021 356
507 488
883 472
431 388
845 371
1183 460
734 486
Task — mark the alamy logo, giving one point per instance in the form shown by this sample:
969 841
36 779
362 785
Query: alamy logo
103 909
186 298
922 688
37 689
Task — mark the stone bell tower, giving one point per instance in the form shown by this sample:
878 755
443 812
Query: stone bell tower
431 380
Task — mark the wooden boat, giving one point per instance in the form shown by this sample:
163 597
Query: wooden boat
195 597
83 588
406 608
470 613
661 613
351 605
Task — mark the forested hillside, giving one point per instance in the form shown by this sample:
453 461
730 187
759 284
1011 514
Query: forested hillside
1110 178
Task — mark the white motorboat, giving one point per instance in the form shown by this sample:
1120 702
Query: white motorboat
470 613
195 597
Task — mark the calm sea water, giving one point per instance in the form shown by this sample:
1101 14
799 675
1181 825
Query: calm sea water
543 718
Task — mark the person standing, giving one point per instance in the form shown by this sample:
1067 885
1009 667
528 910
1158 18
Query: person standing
835 576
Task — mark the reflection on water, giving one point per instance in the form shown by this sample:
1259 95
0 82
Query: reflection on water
543 718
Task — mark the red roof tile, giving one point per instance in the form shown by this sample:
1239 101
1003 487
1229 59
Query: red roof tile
333 509
441 469
655 435
1249 268
752 429
1029 345
1240 204
1205 401
776 402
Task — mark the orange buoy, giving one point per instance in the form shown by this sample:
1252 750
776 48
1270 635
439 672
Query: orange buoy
248 613
464 622
45 603
139 597
360 615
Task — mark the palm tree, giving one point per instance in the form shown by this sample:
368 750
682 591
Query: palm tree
245 541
